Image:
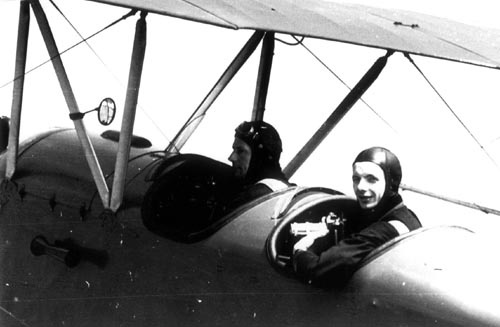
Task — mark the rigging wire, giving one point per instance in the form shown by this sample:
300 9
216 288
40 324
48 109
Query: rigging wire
81 36
131 13
407 55
193 118
151 153
343 82
290 43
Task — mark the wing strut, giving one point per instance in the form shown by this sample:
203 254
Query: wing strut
87 147
17 97
192 123
353 96
266 62
128 119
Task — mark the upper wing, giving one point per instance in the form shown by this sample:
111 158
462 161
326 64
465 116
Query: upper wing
374 27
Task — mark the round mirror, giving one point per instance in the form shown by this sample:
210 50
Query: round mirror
106 111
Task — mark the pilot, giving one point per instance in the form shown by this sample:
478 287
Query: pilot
255 160
376 175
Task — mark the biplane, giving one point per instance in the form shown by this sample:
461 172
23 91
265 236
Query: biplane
109 229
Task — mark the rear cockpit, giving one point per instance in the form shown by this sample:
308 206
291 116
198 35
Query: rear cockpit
307 211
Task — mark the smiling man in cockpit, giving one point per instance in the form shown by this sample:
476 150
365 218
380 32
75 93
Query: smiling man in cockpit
255 160
383 216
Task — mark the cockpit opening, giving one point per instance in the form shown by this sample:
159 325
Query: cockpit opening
331 212
190 193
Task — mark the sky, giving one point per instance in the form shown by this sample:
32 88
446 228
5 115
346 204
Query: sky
184 60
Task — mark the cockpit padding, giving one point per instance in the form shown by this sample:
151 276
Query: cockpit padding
189 193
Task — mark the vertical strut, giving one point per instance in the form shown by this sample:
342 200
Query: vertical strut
196 118
266 62
87 147
17 96
128 119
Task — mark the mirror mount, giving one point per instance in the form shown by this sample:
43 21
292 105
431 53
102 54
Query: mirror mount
105 112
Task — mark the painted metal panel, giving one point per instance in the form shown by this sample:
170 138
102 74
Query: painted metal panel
445 272
374 27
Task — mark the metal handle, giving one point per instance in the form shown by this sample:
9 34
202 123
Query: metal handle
40 246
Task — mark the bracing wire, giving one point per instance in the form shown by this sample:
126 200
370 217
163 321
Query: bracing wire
451 110
79 34
298 42
150 153
343 82
84 40
131 13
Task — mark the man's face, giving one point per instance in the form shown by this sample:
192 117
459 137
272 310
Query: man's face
368 182
240 158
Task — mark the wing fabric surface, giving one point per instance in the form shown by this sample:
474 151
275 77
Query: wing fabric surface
373 27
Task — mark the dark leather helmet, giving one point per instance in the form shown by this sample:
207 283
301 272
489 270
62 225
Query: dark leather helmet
387 161
262 139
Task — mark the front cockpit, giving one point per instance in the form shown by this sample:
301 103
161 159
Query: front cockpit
190 197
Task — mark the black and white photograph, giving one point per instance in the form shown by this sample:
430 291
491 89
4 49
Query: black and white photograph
284 163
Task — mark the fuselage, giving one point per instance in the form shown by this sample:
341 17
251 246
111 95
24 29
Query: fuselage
129 275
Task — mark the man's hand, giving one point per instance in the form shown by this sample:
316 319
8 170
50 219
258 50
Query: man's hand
307 241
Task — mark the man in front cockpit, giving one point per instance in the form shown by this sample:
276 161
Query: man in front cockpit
255 160
383 216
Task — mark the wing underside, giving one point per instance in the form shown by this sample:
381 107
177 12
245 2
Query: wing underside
373 27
